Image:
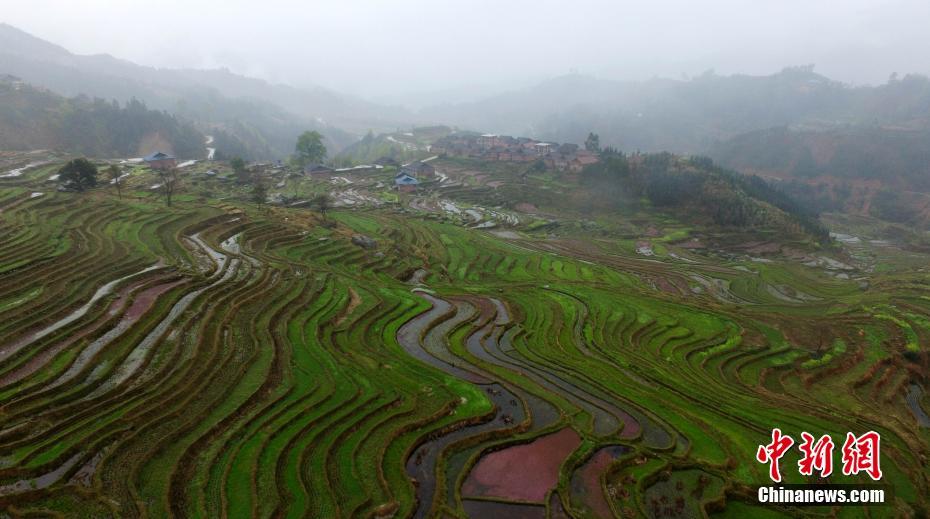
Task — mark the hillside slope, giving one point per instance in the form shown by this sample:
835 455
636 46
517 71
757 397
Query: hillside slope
876 170
698 190
32 118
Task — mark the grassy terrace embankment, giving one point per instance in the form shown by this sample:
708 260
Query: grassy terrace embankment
212 359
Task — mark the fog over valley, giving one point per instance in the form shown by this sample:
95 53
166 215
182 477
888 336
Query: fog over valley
377 49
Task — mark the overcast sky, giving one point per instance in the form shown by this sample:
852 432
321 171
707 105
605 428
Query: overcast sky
379 48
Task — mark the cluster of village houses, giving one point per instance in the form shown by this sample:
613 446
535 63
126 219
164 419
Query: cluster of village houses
563 157
407 178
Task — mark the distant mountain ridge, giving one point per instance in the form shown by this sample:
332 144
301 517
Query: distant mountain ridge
269 116
696 116
689 116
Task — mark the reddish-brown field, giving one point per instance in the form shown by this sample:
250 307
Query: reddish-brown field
524 472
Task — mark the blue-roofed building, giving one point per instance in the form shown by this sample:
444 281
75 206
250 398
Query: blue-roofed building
159 160
405 182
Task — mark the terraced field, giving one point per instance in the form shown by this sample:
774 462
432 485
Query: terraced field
214 359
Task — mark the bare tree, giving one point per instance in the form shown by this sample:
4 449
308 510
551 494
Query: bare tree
169 183
243 175
259 193
116 179
323 203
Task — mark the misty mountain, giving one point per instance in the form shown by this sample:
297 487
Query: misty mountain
32 118
688 116
267 117
899 157
261 120
873 170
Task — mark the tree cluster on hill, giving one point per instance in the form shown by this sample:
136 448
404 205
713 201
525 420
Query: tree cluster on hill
892 206
698 185
78 174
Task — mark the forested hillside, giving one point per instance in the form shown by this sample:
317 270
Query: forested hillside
700 189
899 157
32 118
881 171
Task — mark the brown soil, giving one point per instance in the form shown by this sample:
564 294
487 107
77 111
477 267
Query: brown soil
354 301
523 472
590 478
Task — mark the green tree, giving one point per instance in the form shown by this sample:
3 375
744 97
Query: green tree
78 174
114 173
310 148
593 142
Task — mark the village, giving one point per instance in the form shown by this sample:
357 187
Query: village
407 177
488 147
504 148
424 186
412 176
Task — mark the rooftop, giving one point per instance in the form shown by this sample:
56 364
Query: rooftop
406 180
156 156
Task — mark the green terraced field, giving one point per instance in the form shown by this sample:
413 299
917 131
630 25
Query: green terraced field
215 359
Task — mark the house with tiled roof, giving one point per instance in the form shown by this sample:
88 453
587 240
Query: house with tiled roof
405 182
419 170
159 160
